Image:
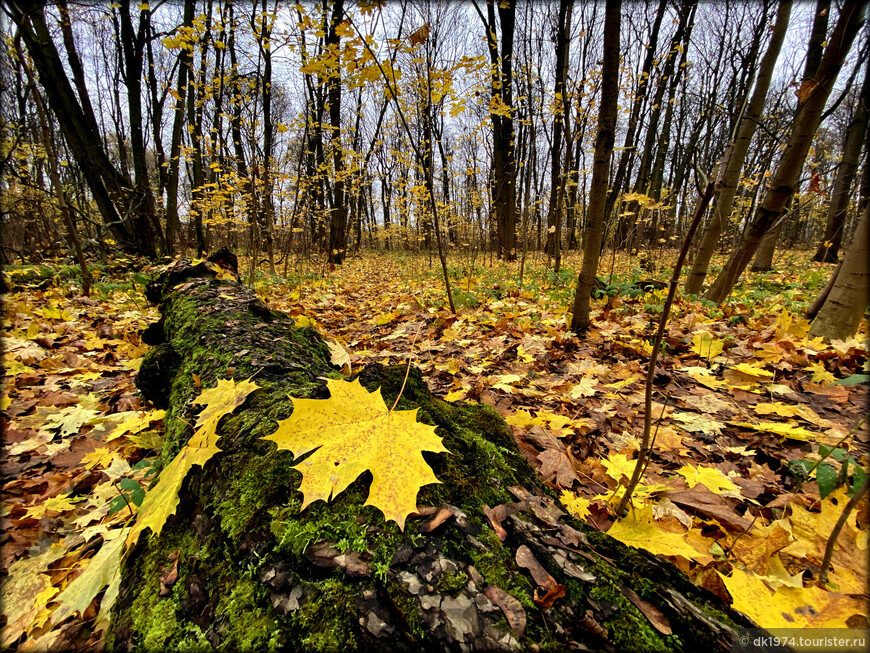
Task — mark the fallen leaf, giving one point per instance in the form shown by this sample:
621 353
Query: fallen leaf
351 432
512 609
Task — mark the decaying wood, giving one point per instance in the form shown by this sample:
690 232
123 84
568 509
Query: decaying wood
490 562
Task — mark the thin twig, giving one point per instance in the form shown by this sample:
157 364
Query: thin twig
407 370
829 549
622 509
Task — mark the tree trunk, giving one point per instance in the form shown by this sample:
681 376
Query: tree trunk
764 256
503 174
54 176
120 206
829 248
256 573
185 58
563 37
580 319
813 95
847 301
195 108
640 97
735 155
338 223
267 202
134 49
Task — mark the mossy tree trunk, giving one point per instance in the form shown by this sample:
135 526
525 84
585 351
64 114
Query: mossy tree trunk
256 573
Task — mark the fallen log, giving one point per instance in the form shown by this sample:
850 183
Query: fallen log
489 561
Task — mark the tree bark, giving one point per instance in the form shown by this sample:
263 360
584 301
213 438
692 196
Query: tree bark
849 297
767 248
640 97
121 207
54 176
338 223
580 319
134 49
735 154
563 36
829 248
267 202
256 573
185 58
503 175
813 95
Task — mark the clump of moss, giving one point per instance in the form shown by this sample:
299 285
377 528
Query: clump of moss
450 582
326 621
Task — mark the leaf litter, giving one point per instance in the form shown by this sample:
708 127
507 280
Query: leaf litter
744 402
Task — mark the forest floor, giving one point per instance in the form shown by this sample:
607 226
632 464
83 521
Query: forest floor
759 431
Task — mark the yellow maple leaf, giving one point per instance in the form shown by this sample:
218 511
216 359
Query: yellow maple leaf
698 423
338 356
506 382
757 548
351 432
786 325
385 318
789 607
134 423
161 500
100 571
788 430
576 505
618 465
820 374
778 408
554 421
811 529
584 388
639 530
25 591
642 494
706 346
101 457
522 419
60 503
71 419
704 376
753 372
710 477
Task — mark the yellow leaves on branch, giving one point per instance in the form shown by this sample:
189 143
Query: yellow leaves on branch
161 500
352 432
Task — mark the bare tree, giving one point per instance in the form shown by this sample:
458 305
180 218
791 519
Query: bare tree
813 95
853 141
580 319
735 154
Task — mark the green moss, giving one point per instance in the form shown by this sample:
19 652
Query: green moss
450 582
243 623
406 604
327 620
162 626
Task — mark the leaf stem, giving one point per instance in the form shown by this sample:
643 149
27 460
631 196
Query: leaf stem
123 496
